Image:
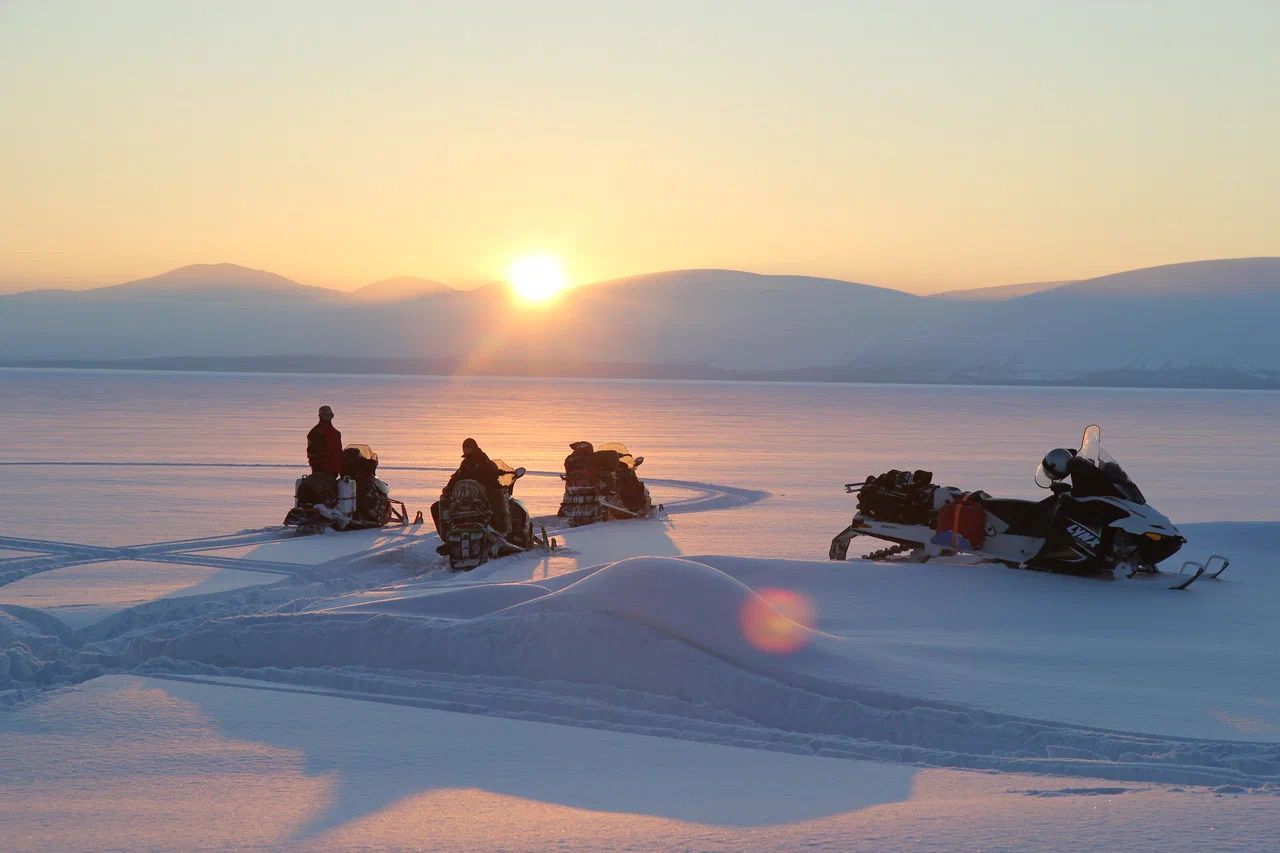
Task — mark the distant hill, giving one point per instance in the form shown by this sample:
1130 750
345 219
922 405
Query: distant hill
1205 314
999 292
1228 277
1208 322
725 319
222 282
1234 275
400 287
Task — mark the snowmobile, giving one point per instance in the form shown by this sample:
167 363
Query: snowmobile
357 500
463 519
1104 529
602 484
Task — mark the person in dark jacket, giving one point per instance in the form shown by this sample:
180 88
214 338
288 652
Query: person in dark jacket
1090 480
581 456
324 446
476 465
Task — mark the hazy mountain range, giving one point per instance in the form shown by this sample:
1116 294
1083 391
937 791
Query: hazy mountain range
1207 323
999 292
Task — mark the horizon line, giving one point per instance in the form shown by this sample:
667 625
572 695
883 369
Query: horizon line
19 286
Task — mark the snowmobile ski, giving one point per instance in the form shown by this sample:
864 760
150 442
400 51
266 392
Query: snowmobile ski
620 510
1191 578
1211 568
546 542
1214 561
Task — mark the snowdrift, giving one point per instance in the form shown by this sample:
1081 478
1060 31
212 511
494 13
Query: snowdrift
649 622
660 645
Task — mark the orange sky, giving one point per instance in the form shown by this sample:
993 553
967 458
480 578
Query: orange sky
919 146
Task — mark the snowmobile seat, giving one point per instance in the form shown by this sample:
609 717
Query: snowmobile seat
1025 518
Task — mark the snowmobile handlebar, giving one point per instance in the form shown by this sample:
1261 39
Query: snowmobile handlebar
850 488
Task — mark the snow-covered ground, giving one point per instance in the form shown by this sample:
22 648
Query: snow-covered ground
649 685
80 595
145 763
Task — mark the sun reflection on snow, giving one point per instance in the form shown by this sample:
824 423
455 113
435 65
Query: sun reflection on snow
777 621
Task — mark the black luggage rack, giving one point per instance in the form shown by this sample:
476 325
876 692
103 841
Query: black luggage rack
901 497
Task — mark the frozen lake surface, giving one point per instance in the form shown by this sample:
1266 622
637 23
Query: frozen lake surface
176 671
1199 455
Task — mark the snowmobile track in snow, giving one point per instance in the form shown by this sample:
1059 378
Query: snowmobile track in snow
45 556
714 496
774 711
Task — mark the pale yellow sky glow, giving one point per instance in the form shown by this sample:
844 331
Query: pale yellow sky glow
923 146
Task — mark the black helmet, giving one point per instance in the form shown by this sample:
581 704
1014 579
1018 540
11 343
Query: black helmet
581 447
1057 463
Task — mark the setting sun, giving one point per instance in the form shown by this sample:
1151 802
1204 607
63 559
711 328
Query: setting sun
536 278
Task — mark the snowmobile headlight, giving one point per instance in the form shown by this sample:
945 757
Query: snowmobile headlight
1154 537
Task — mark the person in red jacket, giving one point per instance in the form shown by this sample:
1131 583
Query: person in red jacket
324 446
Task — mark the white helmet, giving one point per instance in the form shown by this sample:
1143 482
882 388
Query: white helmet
1057 463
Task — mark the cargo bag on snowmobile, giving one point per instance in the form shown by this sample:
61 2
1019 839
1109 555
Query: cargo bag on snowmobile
962 524
899 497
466 546
315 489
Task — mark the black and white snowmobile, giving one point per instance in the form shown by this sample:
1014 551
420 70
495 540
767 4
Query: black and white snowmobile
1101 524
601 484
464 520
357 500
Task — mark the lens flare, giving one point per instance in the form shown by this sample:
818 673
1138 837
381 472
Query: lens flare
778 621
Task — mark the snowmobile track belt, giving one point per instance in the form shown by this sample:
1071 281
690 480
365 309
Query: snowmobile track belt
891 551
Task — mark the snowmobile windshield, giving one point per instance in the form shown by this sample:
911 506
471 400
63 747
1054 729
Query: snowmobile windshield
364 450
1110 470
1043 480
624 455
506 474
1091 446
